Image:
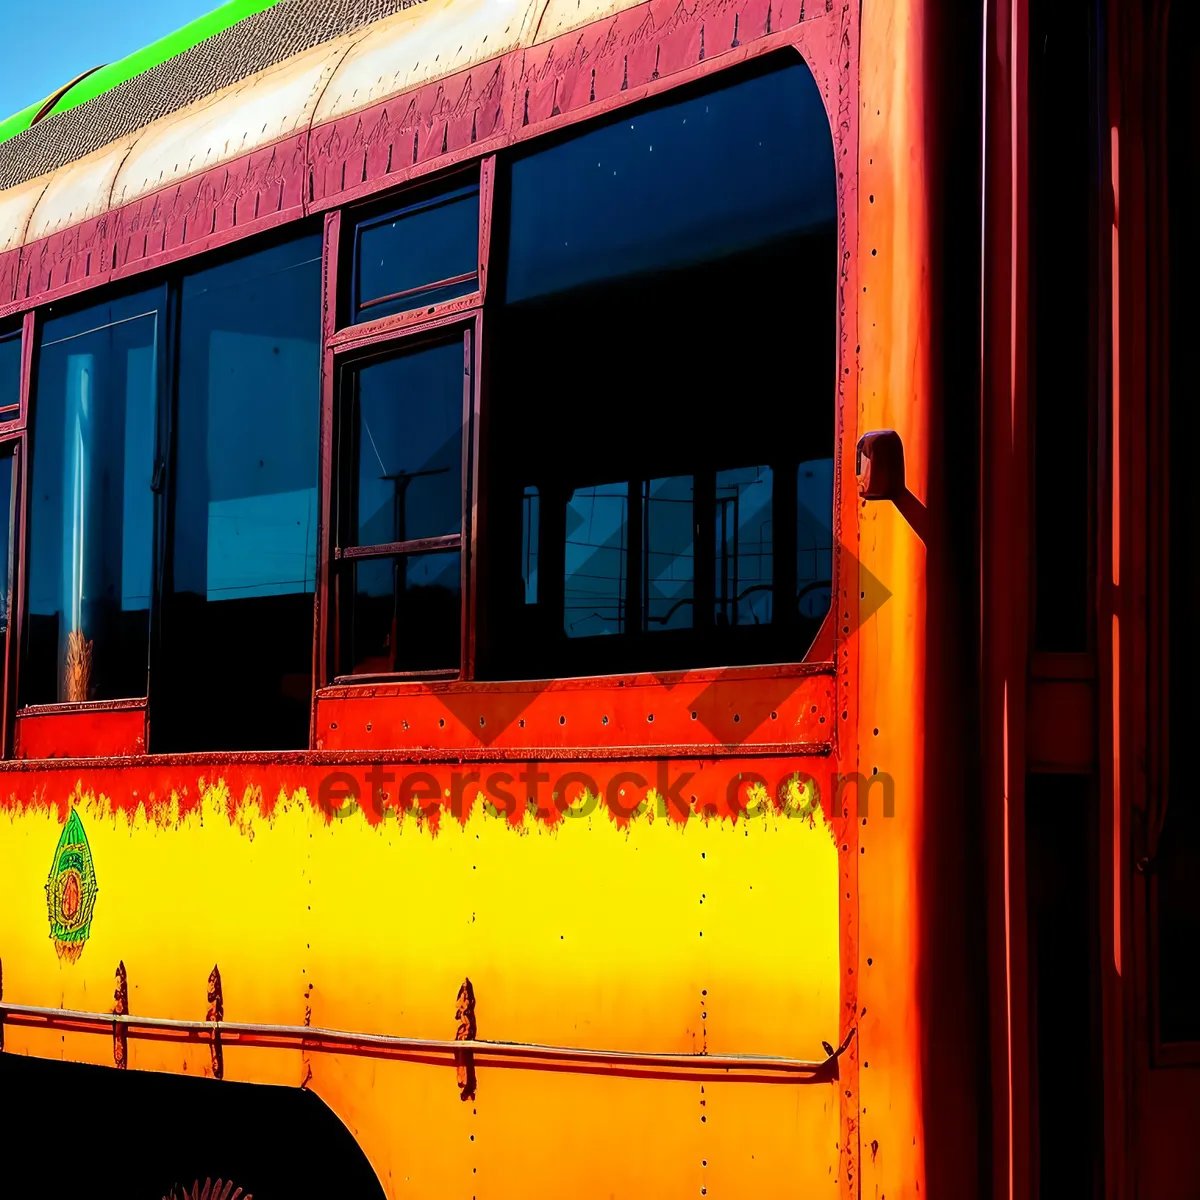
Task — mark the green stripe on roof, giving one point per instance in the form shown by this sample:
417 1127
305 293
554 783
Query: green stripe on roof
114 74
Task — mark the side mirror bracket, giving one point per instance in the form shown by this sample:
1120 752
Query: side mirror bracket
879 465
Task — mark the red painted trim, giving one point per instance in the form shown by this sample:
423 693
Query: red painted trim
128 704
16 616
16 422
717 712
487 199
383 334
154 232
77 731
7 672
448 541
330 257
28 334
403 322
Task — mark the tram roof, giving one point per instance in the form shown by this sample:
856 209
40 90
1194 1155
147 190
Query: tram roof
249 75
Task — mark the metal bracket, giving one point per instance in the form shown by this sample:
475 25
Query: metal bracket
121 1009
216 1014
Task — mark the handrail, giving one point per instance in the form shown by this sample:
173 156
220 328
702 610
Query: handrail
523 1054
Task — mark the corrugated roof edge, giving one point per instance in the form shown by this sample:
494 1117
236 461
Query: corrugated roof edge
111 76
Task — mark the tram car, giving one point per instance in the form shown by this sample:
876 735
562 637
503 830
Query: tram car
598 603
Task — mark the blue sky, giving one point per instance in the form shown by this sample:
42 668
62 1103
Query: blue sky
55 41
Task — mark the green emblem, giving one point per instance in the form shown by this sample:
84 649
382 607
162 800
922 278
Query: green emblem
71 890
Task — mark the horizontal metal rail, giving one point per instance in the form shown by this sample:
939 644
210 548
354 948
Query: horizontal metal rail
527 1054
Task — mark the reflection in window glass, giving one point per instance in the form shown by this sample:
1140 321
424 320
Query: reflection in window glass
814 537
669 561
426 254
91 515
6 515
745 573
409 445
243 556
595 568
680 184
406 613
10 375
529 544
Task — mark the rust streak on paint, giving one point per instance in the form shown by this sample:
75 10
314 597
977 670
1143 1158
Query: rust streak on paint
121 1009
216 1012
464 1012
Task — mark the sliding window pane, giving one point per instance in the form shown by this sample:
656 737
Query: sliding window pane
745 572
91 514
10 375
409 445
669 569
595 582
6 531
238 615
406 614
423 255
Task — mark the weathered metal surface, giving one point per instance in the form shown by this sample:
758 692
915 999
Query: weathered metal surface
112 729
245 158
681 936
259 111
775 708
432 40
459 1051
72 197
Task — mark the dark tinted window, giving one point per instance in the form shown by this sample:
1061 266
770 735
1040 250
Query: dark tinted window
664 386
238 611
10 375
91 514
424 254
1064 163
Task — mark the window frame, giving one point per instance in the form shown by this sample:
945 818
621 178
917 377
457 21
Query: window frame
426 195
168 281
14 444
12 419
349 357
342 248
166 284
345 345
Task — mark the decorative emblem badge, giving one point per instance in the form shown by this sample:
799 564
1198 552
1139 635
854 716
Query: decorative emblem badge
71 890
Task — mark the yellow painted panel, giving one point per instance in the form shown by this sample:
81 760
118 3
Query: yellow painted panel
656 936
